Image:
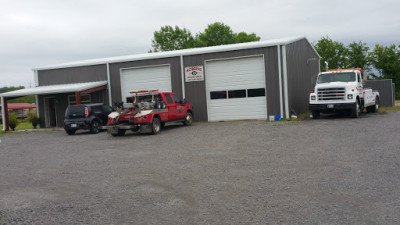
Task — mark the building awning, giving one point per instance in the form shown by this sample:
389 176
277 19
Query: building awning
54 89
16 106
77 88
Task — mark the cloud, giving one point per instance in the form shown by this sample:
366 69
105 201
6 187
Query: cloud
43 32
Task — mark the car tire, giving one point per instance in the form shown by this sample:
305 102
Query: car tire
155 126
70 131
356 110
189 119
94 127
315 114
162 125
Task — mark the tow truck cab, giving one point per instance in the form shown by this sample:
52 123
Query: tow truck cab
342 89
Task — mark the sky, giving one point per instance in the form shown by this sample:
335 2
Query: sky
48 32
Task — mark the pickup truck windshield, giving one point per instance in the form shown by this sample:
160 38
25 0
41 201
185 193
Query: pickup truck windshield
337 77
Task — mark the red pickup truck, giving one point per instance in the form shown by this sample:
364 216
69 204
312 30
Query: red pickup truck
148 111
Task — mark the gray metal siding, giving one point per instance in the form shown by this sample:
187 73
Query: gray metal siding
196 91
72 75
115 75
386 90
301 69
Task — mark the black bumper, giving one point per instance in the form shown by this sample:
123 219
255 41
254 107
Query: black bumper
331 107
76 125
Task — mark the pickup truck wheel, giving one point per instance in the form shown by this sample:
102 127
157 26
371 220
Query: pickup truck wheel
356 110
94 127
70 131
162 125
315 114
119 133
156 126
188 120
375 108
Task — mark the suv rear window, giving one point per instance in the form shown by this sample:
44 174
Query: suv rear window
75 111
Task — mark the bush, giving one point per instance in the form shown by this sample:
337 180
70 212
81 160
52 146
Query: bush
13 121
34 120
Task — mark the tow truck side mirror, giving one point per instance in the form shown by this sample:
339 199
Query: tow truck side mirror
184 101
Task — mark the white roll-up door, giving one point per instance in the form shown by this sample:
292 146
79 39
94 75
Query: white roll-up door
236 89
144 78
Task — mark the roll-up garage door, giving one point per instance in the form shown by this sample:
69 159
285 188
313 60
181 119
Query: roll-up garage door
144 78
236 89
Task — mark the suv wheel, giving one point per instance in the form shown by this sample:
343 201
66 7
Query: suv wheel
70 131
94 127
156 126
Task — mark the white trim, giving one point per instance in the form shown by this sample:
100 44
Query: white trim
140 67
285 82
46 111
37 105
280 79
54 89
3 113
176 53
109 85
236 57
36 78
183 77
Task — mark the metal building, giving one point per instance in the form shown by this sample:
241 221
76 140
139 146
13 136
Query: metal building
240 81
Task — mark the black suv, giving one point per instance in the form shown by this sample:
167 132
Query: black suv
87 116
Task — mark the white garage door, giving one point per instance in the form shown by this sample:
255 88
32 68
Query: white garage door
144 78
236 89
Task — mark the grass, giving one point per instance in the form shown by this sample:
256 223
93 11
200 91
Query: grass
23 125
389 109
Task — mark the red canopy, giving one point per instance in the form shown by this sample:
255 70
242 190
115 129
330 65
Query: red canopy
15 106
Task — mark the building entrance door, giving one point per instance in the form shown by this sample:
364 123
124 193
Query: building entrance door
50 112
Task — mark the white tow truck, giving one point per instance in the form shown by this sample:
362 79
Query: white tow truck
341 90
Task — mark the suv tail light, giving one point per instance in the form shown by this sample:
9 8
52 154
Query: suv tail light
86 112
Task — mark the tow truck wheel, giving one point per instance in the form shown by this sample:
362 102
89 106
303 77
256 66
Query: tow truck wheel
94 127
375 108
189 119
356 110
156 126
315 114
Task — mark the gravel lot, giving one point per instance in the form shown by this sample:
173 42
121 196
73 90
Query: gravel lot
335 170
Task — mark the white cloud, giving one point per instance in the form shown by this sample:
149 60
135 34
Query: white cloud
45 32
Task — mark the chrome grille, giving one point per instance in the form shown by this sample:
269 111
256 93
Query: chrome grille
327 94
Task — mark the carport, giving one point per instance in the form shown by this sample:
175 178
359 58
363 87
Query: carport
78 88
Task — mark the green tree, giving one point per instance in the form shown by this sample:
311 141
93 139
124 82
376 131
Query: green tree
357 54
386 59
215 34
334 52
169 38
243 37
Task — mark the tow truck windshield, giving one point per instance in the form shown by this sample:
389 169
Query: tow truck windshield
337 77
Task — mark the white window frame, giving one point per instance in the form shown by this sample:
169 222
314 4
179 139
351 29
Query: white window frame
72 100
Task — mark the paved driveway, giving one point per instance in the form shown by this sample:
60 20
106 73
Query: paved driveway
334 170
